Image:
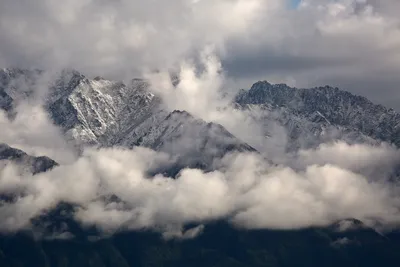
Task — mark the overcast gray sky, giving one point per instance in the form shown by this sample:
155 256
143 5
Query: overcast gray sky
352 44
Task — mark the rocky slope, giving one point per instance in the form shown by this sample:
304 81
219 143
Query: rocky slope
313 116
99 111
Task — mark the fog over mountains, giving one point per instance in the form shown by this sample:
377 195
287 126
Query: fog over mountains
199 133
118 157
308 130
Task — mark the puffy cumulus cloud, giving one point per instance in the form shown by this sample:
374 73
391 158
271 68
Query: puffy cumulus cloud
198 88
32 131
357 157
79 182
118 37
26 124
110 189
318 196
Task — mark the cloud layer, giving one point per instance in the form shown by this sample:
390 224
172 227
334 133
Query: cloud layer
112 190
245 190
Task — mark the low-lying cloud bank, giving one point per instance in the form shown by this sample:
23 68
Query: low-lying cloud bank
112 191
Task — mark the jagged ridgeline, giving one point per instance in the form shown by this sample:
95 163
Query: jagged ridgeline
108 113
324 113
111 113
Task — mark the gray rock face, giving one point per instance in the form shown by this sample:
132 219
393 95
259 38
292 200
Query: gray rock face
316 115
99 111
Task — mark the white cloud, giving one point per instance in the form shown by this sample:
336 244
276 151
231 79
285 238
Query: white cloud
246 191
203 92
373 161
32 131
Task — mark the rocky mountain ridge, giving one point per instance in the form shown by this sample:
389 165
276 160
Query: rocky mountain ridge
109 113
322 114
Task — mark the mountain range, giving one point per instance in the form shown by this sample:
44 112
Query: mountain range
110 113
104 113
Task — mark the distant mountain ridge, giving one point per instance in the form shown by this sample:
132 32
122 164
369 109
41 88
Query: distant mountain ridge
319 112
